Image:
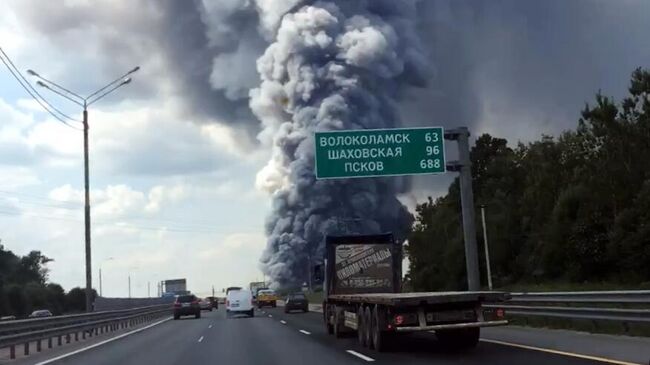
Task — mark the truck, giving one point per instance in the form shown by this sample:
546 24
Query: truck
256 286
266 297
362 293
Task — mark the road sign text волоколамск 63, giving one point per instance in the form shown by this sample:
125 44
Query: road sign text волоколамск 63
379 152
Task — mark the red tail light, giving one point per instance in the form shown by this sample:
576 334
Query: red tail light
399 319
177 305
195 302
501 313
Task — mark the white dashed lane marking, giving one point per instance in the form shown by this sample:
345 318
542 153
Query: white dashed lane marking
361 356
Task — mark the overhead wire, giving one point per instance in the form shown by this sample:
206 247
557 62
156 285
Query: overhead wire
31 91
71 204
138 223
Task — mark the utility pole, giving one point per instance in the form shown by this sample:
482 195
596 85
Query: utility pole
487 251
309 268
129 285
101 292
464 167
213 291
85 102
89 276
100 282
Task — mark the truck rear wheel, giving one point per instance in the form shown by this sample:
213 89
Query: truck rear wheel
367 320
361 327
326 318
338 322
378 335
463 338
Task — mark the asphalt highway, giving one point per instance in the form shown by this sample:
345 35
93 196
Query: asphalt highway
273 337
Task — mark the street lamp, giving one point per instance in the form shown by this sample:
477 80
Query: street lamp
487 251
100 274
85 103
131 269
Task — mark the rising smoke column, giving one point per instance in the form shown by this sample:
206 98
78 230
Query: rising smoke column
331 66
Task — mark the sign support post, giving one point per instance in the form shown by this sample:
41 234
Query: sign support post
464 167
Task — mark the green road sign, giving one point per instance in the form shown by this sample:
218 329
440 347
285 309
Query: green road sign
379 152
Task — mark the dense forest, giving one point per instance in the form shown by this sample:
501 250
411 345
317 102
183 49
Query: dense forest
567 209
24 287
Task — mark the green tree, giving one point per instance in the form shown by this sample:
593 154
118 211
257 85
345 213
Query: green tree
573 208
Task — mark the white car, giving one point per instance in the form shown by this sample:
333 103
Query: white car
240 302
40 314
205 305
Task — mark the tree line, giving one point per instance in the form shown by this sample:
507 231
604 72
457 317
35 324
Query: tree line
571 209
24 287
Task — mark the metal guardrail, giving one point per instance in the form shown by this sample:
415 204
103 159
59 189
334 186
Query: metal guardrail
32 324
24 332
567 305
613 296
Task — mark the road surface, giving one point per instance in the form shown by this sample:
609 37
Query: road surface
273 337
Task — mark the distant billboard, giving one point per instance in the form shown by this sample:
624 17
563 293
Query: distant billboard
176 286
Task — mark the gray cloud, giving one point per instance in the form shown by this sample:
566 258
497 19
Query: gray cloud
180 41
522 68
518 69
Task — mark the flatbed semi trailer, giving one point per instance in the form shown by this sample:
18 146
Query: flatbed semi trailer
362 293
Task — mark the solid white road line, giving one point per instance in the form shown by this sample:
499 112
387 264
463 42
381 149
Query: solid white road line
361 356
200 338
210 326
49 361
557 352
305 332
283 322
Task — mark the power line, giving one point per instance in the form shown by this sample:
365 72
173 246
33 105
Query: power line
42 198
71 204
32 88
69 218
31 91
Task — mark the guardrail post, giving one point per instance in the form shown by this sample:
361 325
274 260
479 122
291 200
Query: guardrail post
38 345
12 352
76 336
67 338
626 327
26 348
49 342
59 340
83 334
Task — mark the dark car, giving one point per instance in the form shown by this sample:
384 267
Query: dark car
214 301
187 305
296 301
